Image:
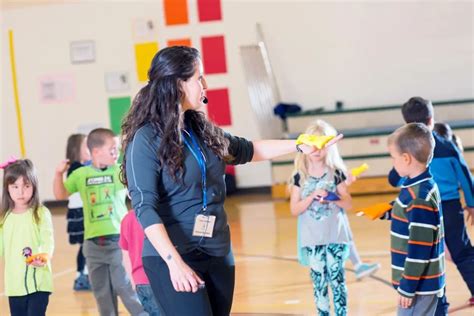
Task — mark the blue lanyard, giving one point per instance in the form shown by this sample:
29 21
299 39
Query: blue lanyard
201 159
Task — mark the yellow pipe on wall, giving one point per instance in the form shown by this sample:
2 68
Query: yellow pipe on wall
15 93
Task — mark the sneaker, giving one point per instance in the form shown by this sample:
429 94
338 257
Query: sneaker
366 269
82 283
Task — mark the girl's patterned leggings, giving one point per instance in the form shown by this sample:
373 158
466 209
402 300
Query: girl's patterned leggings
327 266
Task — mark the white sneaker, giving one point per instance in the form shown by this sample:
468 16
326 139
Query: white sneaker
366 269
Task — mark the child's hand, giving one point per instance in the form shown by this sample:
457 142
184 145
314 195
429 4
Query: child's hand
63 166
470 214
38 260
319 194
38 263
404 302
350 179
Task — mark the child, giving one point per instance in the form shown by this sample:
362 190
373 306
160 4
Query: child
103 196
445 131
26 229
78 155
449 171
417 245
131 242
323 231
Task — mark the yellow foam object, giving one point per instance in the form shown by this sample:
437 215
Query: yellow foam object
376 211
359 170
313 140
43 257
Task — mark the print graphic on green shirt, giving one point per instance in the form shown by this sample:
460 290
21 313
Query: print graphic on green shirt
103 196
99 192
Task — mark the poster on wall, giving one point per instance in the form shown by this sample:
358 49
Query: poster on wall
144 53
180 42
176 12
82 52
56 89
117 81
144 30
118 108
209 10
218 108
213 54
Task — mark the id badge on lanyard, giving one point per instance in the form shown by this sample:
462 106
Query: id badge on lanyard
203 223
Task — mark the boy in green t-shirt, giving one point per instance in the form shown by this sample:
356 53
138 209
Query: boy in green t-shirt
103 197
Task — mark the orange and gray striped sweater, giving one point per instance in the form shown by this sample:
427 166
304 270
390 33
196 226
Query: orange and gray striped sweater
417 238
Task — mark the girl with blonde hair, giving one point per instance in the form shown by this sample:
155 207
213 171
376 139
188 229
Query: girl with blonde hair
319 197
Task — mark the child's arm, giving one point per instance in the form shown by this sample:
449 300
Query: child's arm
127 264
123 243
59 190
424 221
46 237
298 205
345 201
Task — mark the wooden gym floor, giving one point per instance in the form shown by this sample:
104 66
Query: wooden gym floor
269 280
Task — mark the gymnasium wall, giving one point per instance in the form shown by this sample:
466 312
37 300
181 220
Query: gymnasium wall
363 53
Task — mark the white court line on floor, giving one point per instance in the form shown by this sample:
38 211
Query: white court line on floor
55 276
362 254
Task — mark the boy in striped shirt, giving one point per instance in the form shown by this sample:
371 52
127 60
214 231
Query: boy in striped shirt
417 235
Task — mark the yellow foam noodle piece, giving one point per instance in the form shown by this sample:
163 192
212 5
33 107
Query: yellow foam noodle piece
376 211
43 257
313 140
359 170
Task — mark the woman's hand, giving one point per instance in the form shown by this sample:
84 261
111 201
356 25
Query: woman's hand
184 279
334 140
307 149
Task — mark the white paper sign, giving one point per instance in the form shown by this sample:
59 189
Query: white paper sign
57 89
117 81
144 30
82 52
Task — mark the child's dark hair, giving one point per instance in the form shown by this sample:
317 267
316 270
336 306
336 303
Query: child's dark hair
457 141
417 110
443 130
20 168
98 137
415 139
73 148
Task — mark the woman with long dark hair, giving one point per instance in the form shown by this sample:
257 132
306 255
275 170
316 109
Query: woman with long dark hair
174 167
